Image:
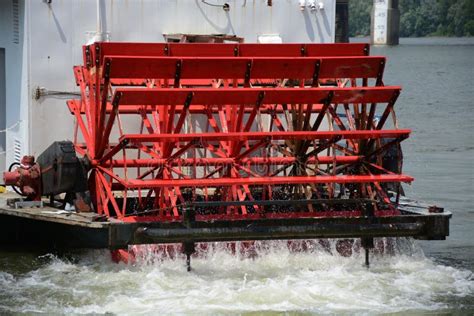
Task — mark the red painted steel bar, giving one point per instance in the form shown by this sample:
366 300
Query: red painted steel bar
267 181
74 105
222 50
132 100
230 96
220 161
126 67
240 136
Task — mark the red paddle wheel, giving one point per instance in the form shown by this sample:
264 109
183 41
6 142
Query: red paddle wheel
232 133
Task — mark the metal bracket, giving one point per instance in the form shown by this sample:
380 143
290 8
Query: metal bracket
97 54
88 56
317 66
379 81
107 70
260 97
368 209
247 73
21 203
189 98
367 50
303 50
177 75
116 100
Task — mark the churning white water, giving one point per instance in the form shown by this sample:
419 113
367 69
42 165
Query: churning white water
318 281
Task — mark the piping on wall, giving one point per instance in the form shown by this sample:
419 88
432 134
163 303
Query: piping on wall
314 5
100 35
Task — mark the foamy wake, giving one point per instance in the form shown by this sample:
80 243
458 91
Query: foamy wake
271 279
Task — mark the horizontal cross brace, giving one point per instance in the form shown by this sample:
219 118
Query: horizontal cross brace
304 180
228 96
193 108
138 231
237 67
226 50
222 161
241 136
257 232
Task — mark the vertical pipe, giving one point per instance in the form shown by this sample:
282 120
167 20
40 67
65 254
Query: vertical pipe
99 23
367 263
101 32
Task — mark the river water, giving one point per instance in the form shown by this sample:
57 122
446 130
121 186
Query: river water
422 278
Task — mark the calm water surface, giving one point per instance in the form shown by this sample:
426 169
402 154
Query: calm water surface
426 278
437 103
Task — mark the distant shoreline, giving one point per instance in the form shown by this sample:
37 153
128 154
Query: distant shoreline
427 40
434 36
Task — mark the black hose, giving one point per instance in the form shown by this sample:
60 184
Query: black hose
224 6
13 186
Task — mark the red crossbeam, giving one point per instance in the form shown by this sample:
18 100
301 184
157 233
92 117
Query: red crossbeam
241 136
132 100
75 105
126 67
275 161
217 182
228 96
222 50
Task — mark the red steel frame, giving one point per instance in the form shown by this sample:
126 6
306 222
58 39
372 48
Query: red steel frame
167 124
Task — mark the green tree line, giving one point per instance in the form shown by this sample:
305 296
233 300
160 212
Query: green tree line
419 17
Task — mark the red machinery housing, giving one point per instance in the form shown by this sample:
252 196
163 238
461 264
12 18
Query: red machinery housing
26 177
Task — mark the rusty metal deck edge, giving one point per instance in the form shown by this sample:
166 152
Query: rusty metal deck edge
74 233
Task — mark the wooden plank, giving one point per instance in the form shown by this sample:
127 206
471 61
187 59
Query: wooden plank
50 214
